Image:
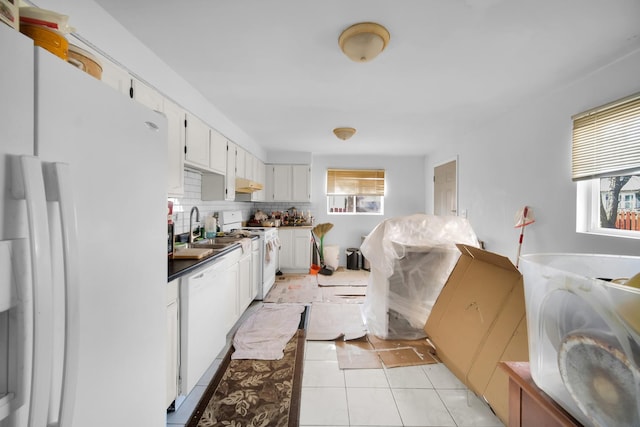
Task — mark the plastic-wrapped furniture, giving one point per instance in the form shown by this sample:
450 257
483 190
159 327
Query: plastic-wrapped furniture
411 258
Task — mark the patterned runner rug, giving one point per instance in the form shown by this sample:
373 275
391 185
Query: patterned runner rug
254 392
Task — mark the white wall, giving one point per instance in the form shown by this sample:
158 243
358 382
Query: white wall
524 158
405 195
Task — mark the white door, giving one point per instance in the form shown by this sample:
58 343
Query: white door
445 189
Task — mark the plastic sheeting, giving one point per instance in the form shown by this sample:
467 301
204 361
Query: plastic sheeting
411 259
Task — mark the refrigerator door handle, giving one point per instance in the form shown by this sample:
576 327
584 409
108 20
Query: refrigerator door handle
28 184
58 186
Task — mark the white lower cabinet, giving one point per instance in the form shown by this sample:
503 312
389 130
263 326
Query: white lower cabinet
244 283
295 249
173 349
208 310
256 268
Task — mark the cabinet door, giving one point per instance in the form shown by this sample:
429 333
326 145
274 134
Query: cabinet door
230 178
172 342
229 295
301 183
175 129
259 172
282 183
245 287
146 95
249 171
241 155
218 152
197 142
302 249
116 77
286 248
256 263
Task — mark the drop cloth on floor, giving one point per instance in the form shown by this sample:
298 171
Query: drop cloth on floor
265 333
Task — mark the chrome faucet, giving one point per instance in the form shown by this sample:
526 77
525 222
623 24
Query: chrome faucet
191 235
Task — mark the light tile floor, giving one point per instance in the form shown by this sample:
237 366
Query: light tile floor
428 395
425 396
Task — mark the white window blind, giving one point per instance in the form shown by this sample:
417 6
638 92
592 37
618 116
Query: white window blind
606 140
359 182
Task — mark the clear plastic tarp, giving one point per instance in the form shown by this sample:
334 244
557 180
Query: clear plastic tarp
411 259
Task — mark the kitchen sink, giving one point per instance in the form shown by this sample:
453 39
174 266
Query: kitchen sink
226 239
208 244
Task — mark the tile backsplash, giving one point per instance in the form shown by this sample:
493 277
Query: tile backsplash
192 197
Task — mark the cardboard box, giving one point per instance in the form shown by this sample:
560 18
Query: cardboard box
479 320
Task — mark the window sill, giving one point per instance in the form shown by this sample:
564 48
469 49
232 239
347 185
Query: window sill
612 233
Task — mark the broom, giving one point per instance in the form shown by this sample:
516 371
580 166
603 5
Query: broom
321 230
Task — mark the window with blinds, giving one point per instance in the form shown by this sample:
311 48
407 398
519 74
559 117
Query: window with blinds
606 140
606 159
359 191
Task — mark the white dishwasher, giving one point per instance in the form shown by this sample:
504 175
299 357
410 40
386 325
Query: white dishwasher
208 303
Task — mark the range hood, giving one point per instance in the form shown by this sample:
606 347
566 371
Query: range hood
244 185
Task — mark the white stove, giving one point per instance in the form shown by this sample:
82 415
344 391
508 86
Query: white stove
231 221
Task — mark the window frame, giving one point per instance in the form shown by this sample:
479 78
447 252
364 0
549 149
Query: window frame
588 211
334 178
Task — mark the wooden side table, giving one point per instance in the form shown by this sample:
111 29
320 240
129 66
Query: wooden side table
529 406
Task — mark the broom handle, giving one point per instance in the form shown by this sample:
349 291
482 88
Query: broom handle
524 216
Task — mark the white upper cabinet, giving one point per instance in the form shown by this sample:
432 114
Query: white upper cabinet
241 155
230 181
175 129
151 98
249 167
281 183
288 183
217 186
146 95
301 183
218 152
197 143
116 77
259 171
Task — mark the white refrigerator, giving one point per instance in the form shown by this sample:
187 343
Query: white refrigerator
83 266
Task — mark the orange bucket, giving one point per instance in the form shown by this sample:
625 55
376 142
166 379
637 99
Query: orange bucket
314 269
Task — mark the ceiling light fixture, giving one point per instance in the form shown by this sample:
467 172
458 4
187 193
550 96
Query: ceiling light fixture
364 41
344 133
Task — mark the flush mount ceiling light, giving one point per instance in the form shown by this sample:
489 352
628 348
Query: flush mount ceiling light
364 41
344 133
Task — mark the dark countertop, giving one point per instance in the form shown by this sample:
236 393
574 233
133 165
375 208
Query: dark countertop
180 267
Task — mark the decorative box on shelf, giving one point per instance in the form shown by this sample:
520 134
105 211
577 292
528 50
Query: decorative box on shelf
9 13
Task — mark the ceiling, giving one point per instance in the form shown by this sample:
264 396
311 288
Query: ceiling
274 68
